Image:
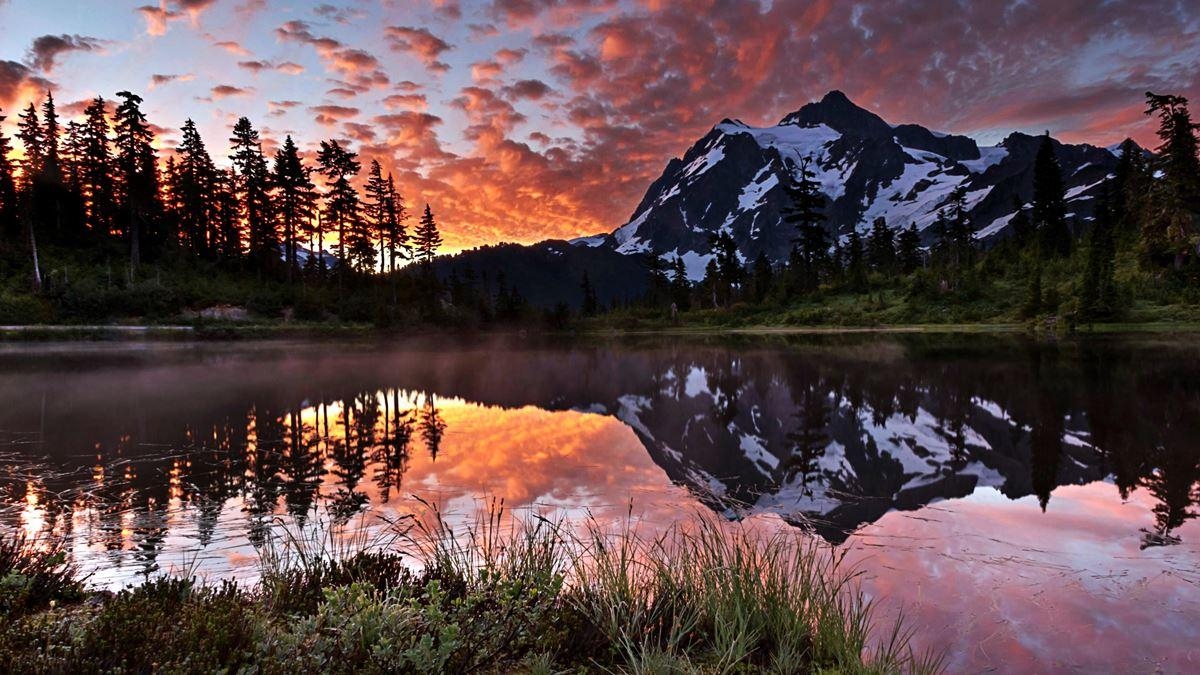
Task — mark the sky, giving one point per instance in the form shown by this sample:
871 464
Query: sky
521 120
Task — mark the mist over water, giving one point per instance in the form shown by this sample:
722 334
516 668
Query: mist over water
1024 502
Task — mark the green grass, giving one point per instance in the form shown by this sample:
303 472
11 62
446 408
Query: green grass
501 595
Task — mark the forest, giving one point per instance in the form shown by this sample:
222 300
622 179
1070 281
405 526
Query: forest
97 228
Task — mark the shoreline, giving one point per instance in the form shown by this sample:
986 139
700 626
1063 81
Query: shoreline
251 331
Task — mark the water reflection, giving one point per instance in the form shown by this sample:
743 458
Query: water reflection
114 443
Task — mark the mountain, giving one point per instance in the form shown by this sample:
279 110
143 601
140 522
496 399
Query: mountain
731 180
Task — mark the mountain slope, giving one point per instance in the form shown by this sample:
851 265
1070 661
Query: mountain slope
731 180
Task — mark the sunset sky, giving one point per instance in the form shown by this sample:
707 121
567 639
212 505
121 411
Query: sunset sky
520 120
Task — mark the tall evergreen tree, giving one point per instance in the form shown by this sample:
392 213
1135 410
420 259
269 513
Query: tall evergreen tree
681 286
8 191
855 262
341 199
1172 224
293 200
804 212
1050 203
194 191
137 179
656 273
396 232
427 239
1129 187
1097 289
908 249
251 187
376 209
881 247
29 132
1022 226
96 170
590 303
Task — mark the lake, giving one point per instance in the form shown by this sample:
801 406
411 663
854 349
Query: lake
1029 505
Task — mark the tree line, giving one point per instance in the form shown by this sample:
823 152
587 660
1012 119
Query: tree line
99 182
1147 221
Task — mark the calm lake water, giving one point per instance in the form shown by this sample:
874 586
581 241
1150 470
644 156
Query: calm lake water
1030 506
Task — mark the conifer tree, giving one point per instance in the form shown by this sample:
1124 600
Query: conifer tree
8 191
341 199
1049 203
29 132
681 286
96 170
590 304
137 178
856 267
804 212
427 239
378 210
881 247
396 232
194 191
1129 187
1097 288
908 249
1172 223
656 272
294 195
250 180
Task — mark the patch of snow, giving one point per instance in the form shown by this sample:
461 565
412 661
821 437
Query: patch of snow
988 157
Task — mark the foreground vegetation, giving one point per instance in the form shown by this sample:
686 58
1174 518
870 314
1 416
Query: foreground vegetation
531 597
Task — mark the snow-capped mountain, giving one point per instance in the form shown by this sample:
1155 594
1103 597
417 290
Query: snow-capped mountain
731 180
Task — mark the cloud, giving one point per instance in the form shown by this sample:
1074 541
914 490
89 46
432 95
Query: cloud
329 115
19 84
158 17
45 49
533 90
227 90
232 47
360 70
419 42
257 67
157 79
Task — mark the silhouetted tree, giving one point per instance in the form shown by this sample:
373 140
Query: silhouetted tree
427 239
9 229
908 249
194 186
881 247
341 199
251 187
294 200
1172 220
137 178
590 304
803 211
763 276
1049 203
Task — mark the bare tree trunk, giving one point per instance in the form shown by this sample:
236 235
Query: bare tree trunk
37 269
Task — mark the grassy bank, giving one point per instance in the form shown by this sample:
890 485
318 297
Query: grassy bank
532 597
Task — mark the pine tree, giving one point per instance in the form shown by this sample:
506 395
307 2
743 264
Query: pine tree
226 215
804 212
51 169
1129 188
29 132
251 188
1049 203
881 247
908 249
1097 289
396 231
96 169
427 239
9 230
961 229
194 191
293 198
856 267
377 209
137 179
341 199
1172 223
590 304
681 286
656 273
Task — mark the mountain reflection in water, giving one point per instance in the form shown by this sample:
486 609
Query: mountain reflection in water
148 456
